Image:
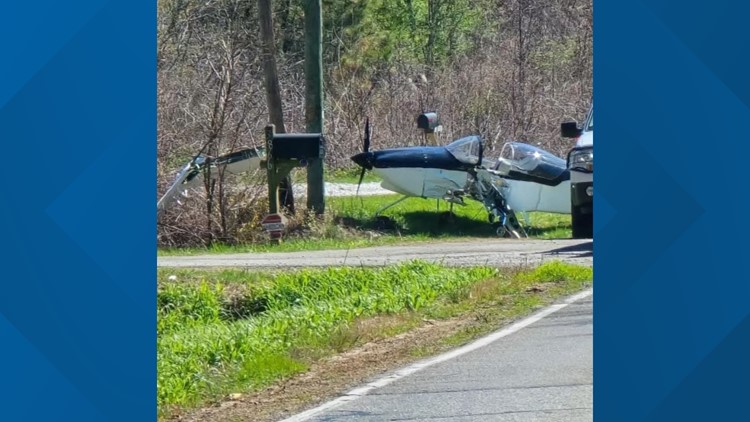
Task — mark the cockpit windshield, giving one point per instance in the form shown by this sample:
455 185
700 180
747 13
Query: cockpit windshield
466 150
532 160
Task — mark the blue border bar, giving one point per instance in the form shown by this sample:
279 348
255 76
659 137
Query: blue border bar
78 131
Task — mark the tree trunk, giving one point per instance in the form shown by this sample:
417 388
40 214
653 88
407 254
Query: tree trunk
314 100
273 92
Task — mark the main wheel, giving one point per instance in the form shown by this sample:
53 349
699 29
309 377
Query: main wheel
582 220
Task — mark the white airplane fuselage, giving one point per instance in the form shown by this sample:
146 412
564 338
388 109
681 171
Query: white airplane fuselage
521 196
422 182
529 196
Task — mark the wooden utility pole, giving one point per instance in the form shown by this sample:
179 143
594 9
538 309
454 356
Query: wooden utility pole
314 100
273 92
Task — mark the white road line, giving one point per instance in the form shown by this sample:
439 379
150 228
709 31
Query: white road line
484 341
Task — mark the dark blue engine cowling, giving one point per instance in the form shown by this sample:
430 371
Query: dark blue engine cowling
462 154
412 157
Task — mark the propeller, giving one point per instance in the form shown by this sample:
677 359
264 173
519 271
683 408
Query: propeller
365 150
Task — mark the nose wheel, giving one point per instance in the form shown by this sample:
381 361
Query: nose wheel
510 229
505 223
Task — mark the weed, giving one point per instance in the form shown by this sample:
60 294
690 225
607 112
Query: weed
557 271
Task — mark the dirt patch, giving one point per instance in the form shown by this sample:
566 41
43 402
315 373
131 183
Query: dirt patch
333 376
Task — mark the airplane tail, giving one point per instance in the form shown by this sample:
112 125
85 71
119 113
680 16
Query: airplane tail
191 175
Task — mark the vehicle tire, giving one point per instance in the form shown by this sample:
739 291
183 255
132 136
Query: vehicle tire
582 222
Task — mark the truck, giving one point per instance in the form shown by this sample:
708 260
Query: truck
580 163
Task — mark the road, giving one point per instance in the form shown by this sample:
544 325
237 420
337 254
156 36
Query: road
492 252
542 372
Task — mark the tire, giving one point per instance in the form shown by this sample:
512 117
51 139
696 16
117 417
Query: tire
506 233
582 222
511 230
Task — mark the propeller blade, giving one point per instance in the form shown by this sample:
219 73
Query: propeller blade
362 158
367 135
361 176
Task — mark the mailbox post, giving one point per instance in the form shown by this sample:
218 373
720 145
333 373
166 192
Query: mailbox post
285 152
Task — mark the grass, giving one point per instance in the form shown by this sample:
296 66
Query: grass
352 222
430 217
226 331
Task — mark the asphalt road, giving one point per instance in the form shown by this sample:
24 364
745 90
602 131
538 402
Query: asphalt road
542 372
493 252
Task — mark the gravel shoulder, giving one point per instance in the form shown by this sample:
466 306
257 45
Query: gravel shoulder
344 189
491 252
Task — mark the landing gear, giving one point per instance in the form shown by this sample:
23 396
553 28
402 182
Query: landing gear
502 217
487 189
508 226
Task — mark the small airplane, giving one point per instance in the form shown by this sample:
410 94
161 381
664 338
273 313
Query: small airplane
524 178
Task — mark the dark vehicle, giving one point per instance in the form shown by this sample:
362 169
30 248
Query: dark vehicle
581 166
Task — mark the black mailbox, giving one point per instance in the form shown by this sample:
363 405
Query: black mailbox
428 121
296 146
